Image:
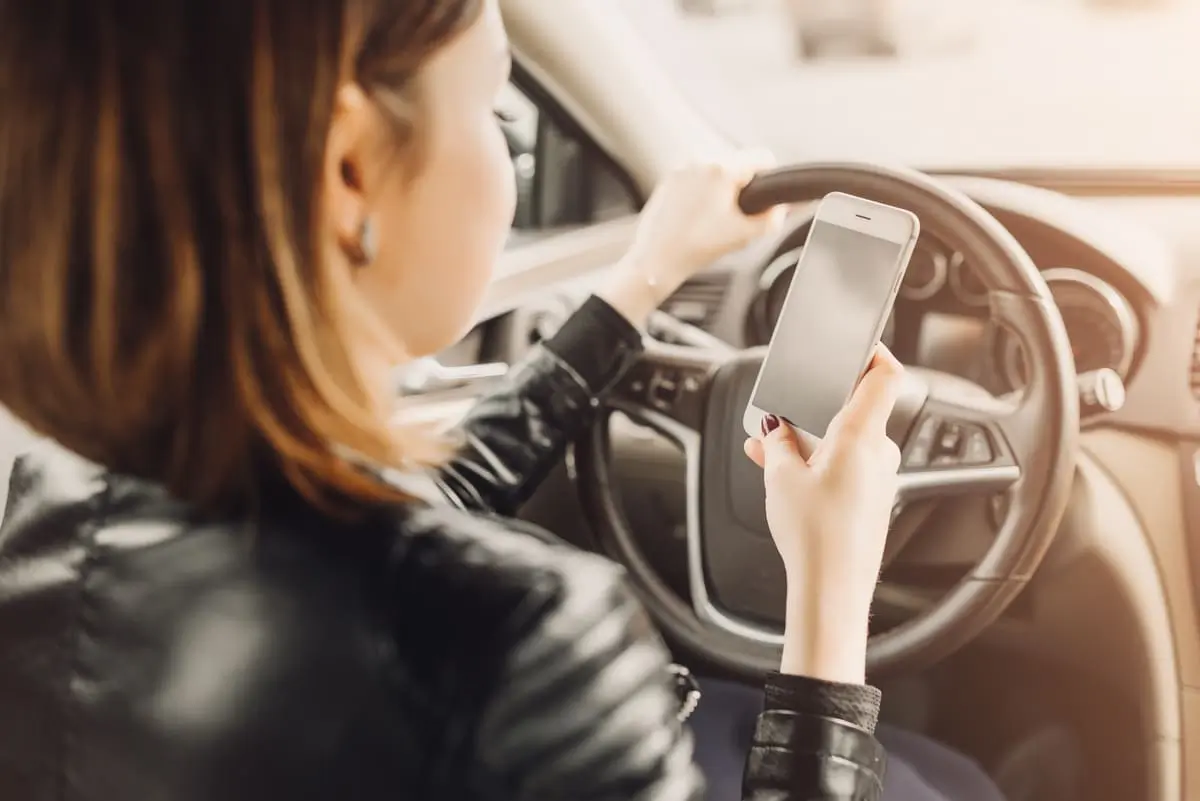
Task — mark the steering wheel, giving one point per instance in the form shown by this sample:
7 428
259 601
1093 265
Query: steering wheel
1022 447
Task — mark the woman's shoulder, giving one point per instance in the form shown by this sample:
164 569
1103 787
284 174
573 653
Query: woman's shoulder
497 572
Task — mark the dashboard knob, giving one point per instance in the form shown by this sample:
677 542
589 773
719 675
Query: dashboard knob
1100 392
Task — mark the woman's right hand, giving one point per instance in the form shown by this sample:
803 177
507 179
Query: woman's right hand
829 512
692 219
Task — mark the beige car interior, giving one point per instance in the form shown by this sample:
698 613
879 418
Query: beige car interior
1131 581
1118 600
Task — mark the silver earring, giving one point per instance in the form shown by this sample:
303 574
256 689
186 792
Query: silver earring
366 242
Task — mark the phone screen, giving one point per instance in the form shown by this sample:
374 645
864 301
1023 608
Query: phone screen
840 296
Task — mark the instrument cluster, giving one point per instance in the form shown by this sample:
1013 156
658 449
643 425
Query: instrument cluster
1101 324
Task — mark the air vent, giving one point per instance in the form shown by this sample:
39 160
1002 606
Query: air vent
698 301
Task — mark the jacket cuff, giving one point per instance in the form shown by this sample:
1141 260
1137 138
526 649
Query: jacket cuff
598 345
794 755
857 704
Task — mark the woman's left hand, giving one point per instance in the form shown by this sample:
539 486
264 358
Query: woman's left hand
692 219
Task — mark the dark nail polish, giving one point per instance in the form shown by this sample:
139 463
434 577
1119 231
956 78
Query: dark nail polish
769 423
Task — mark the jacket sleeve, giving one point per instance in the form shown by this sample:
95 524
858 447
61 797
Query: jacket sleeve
815 740
584 709
517 433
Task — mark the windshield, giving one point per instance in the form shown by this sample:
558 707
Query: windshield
942 84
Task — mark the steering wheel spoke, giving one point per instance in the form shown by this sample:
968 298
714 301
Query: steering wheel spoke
667 388
959 444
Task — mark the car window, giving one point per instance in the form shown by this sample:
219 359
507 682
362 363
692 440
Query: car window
563 179
940 84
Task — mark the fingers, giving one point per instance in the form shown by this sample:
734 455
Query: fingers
875 397
747 164
783 459
772 219
783 455
889 455
860 430
804 443
754 451
861 425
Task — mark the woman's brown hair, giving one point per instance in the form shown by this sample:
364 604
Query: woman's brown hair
164 309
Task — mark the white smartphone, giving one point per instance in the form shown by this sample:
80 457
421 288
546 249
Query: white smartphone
842 292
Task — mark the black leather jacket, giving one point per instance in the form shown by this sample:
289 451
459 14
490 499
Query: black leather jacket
423 653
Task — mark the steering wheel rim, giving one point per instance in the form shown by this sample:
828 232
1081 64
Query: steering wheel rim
1033 442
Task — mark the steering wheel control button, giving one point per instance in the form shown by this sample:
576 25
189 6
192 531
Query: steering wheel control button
948 443
918 456
921 449
977 449
676 391
950 439
664 389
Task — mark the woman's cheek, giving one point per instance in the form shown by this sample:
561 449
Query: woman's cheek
506 178
493 189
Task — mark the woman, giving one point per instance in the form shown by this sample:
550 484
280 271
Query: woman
222 225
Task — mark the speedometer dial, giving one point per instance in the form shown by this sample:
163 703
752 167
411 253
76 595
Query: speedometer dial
774 284
773 287
1095 341
1100 324
926 274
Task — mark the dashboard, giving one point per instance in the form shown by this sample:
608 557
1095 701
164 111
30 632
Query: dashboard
941 316
1112 268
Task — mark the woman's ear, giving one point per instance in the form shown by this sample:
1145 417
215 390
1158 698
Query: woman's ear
346 155
347 187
